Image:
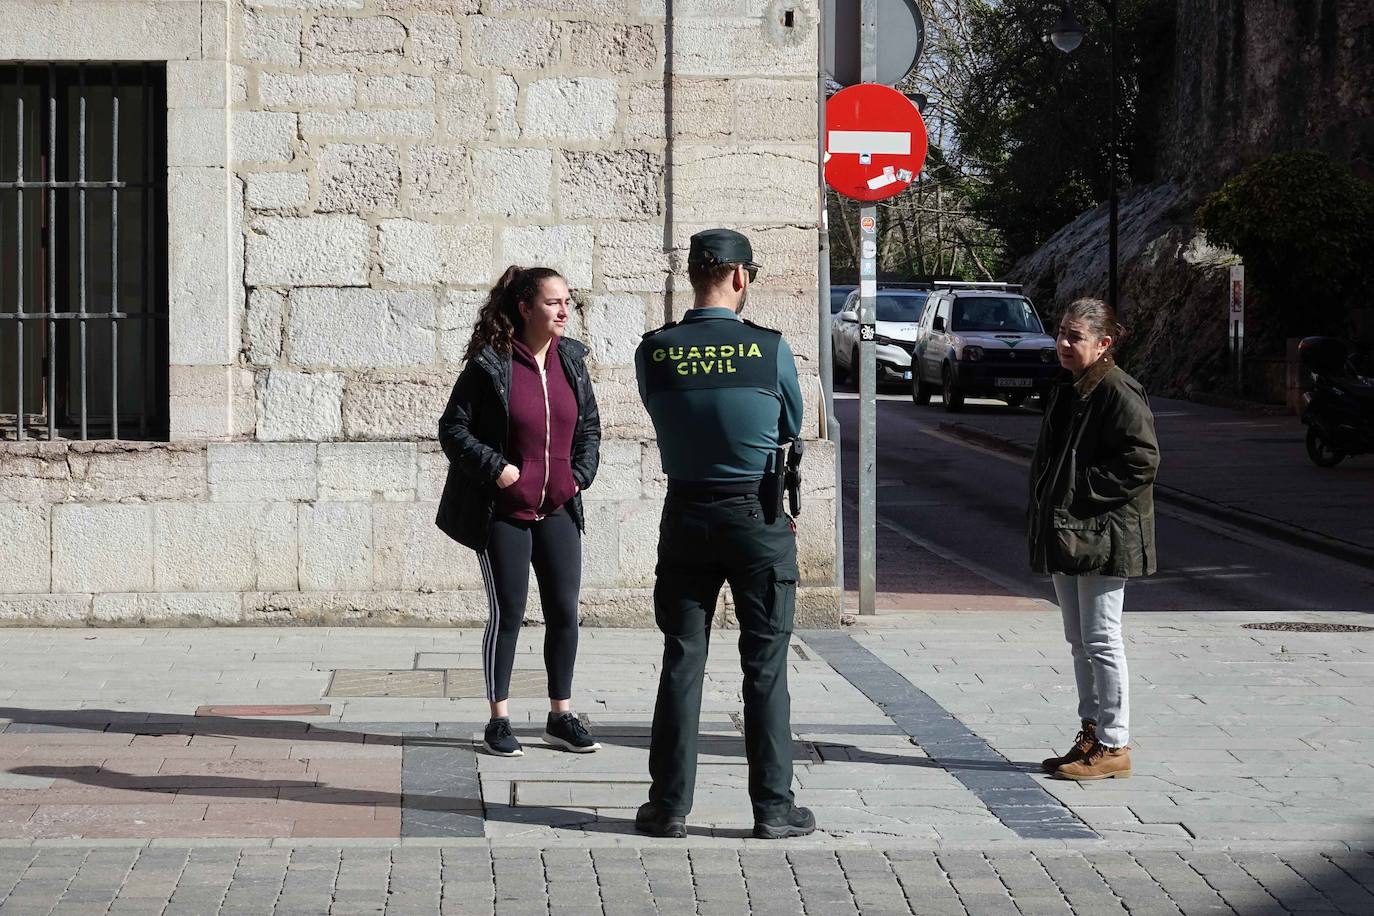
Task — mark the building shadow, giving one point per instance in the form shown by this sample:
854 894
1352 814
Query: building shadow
464 798
210 788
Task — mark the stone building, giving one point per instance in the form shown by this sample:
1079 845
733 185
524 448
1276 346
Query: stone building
242 245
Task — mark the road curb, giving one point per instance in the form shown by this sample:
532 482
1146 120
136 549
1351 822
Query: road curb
1282 531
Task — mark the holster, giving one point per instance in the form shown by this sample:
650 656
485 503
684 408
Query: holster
792 477
771 488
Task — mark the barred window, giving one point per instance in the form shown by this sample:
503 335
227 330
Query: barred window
83 251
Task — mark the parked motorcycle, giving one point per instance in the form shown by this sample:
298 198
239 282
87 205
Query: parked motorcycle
1338 405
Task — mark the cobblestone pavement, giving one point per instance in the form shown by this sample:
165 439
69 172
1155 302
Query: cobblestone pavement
478 879
916 743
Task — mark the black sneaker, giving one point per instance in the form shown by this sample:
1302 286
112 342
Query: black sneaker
650 820
797 822
565 730
499 740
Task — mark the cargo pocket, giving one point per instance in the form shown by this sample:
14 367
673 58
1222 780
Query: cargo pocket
782 613
1080 545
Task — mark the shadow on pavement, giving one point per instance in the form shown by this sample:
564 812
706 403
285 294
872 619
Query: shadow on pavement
53 721
210 788
47 722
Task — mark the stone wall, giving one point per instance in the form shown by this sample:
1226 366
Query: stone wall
379 163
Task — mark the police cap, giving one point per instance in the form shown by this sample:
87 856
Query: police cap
720 246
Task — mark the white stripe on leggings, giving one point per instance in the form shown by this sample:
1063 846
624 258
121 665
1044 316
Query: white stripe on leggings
493 623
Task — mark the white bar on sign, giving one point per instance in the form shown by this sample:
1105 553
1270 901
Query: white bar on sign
888 142
868 288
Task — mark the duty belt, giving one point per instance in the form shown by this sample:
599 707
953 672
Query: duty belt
702 491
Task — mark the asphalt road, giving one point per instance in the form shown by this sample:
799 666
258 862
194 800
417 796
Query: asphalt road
945 504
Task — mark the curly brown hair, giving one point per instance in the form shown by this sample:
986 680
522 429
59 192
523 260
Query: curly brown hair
499 320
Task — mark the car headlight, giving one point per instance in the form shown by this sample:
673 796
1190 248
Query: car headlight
1047 356
973 354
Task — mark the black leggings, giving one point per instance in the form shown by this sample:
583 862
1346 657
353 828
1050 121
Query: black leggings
553 545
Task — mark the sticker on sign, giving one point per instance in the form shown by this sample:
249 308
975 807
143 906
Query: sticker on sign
889 176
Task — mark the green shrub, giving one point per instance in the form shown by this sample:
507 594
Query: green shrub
1304 225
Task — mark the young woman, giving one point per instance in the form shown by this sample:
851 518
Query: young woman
523 438
1091 526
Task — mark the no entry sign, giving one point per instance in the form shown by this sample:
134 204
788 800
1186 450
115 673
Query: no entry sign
875 142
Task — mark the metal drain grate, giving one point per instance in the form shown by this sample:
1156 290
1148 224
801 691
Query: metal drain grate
356 682
430 683
1296 627
470 682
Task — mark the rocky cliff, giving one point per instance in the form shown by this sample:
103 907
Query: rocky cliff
1250 78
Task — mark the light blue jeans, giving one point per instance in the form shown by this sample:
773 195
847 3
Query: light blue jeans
1091 606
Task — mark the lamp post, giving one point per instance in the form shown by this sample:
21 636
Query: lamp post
1067 35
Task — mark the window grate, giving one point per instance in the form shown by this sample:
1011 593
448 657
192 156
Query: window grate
83 251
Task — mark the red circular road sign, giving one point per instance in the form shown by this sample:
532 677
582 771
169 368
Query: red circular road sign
875 142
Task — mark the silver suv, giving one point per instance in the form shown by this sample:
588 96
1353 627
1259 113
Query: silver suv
981 339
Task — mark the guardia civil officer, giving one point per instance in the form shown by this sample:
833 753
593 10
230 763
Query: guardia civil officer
723 395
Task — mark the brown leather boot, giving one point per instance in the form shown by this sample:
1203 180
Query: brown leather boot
1100 762
1081 742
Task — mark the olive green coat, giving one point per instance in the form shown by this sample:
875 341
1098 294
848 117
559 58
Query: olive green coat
1092 478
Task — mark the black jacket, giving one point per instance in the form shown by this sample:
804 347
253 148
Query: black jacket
473 431
1092 506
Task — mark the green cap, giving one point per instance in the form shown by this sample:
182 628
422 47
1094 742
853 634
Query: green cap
720 246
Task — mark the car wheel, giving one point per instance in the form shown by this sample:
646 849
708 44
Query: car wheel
920 391
954 398
1320 451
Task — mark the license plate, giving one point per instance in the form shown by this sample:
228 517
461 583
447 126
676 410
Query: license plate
906 376
1012 382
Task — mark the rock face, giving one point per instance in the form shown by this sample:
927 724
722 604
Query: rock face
1255 77
1250 78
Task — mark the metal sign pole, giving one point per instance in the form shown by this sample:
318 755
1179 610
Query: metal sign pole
1236 319
832 425
868 288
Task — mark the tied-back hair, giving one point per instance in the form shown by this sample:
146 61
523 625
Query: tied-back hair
499 320
1099 317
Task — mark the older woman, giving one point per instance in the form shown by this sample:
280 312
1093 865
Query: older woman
1091 526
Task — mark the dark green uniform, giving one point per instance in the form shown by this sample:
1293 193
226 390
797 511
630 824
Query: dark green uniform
723 394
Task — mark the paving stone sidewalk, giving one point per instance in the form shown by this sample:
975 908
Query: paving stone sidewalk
916 741
481 879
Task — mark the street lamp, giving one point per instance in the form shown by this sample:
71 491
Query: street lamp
1067 35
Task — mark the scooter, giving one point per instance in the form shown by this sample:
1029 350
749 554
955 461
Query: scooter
1338 405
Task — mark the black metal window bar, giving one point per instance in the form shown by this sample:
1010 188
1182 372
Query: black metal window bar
83 251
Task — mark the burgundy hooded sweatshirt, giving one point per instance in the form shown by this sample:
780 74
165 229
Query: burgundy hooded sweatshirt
543 416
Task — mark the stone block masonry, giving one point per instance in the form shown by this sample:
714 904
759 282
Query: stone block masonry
365 169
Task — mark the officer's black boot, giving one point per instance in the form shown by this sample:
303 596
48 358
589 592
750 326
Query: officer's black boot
654 822
797 822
